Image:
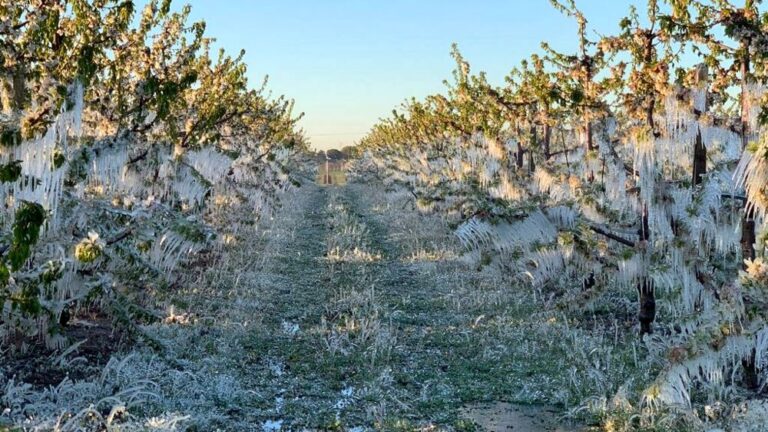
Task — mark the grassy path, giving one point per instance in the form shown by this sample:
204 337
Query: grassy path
381 324
361 315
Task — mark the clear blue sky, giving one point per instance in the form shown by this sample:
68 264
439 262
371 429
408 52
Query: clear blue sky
348 63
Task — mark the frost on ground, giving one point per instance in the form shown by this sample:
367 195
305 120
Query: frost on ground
280 334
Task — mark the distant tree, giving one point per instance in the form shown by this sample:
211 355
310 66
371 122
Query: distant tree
335 155
350 151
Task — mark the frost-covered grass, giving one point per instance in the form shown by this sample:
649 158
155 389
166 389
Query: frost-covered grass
277 335
489 338
204 377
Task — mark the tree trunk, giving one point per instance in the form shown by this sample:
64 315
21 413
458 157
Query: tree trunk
645 288
644 231
747 222
648 58
533 145
748 237
587 84
649 116
647 309
588 133
19 89
699 159
751 378
745 68
547 141
531 162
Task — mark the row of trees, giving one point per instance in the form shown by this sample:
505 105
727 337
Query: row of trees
127 143
620 166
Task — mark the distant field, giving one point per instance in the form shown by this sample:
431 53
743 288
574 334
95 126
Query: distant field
331 173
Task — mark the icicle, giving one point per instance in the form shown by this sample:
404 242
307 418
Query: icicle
495 149
645 165
752 174
755 94
679 122
761 350
44 163
629 270
616 187
559 189
721 142
562 216
699 99
548 264
107 170
170 249
727 237
212 165
491 167
674 391
506 190
505 237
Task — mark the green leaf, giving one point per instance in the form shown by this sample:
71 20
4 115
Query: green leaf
10 172
5 275
10 137
26 231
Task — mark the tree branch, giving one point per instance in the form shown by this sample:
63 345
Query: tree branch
611 236
120 237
